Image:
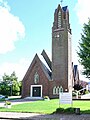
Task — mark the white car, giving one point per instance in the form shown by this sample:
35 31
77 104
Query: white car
2 96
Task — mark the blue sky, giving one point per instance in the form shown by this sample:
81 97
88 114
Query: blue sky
26 27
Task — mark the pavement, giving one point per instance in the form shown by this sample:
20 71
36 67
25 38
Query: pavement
35 116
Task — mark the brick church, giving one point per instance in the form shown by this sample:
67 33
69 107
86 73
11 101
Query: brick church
39 80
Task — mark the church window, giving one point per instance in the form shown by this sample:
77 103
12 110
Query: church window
36 78
58 90
59 19
54 90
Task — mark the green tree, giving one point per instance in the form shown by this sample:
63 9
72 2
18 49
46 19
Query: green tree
4 88
84 50
20 86
10 85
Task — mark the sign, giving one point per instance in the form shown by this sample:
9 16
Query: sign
65 98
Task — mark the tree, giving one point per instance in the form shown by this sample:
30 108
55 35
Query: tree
10 85
4 88
20 86
84 50
77 87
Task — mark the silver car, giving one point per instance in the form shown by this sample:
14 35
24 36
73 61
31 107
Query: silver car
2 96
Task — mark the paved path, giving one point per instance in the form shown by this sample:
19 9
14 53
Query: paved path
34 116
19 101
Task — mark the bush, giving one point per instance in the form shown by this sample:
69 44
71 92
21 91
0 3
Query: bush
7 103
74 93
67 110
86 92
46 98
59 110
77 87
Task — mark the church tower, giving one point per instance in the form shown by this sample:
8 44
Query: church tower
61 49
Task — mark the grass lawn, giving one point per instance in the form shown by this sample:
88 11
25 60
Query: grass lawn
47 107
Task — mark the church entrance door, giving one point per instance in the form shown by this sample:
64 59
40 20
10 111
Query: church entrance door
36 92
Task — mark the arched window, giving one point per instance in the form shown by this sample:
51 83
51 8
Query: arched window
55 90
58 90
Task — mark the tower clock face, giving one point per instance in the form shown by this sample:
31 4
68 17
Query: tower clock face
59 19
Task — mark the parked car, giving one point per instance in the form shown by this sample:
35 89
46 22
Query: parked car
2 96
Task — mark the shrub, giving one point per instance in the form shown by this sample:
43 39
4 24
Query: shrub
7 103
67 110
46 98
86 92
59 110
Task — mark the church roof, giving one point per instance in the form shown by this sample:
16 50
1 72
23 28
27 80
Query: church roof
42 65
47 59
76 72
64 8
46 70
75 69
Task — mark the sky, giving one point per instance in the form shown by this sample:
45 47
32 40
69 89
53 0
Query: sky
26 27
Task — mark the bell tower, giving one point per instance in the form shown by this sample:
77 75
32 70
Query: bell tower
61 49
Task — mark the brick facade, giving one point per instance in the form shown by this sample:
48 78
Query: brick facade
61 49
36 66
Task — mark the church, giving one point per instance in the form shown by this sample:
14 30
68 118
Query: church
39 80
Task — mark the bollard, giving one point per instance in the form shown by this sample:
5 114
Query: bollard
77 111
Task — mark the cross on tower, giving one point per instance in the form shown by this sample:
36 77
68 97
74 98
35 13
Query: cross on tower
61 2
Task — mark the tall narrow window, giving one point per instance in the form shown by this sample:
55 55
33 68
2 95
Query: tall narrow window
58 90
55 90
59 19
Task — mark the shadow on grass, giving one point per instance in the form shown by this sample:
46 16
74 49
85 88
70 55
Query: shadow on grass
85 111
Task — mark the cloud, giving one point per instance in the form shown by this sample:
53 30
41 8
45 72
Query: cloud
11 28
20 68
82 9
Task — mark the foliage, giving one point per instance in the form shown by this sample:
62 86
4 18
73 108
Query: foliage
87 92
4 88
74 93
59 110
10 85
84 50
65 110
46 98
77 87
20 87
7 103
69 110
